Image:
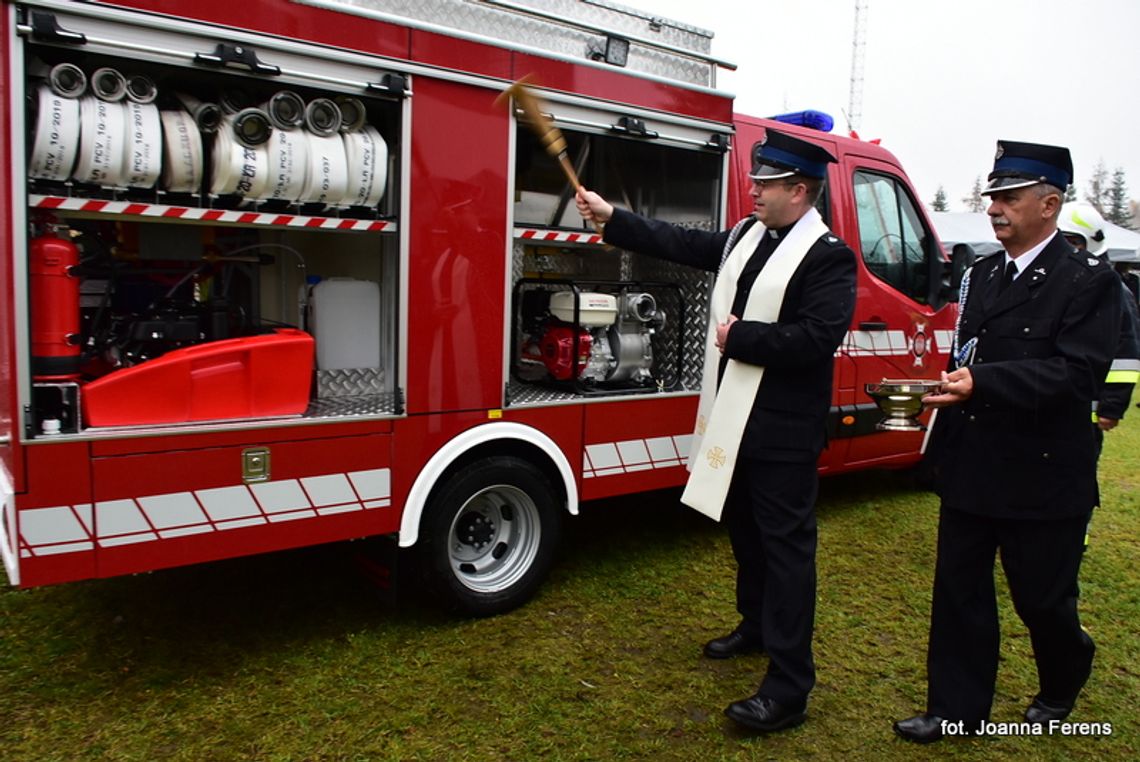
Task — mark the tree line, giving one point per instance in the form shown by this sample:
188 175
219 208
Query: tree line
1107 192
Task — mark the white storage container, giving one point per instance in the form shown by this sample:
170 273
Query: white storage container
344 318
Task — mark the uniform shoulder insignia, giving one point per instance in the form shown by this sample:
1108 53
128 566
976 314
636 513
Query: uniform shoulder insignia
832 240
1088 261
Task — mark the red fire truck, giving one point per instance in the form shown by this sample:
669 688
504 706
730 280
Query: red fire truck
282 272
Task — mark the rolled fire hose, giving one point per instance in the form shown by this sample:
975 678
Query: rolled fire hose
142 155
182 153
56 142
238 169
286 110
108 84
234 99
322 117
141 89
367 156
206 115
251 127
102 139
352 113
327 179
67 80
288 154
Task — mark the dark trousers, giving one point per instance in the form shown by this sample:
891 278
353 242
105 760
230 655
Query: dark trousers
1041 560
770 513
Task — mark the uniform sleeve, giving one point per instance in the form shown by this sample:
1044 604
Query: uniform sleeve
819 325
1125 369
1083 350
696 248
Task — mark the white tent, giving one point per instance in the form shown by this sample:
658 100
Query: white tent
1121 244
966 227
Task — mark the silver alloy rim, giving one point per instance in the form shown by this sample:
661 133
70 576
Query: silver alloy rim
493 539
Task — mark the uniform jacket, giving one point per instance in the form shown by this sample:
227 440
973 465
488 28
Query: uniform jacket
1117 392
787 421
1022 446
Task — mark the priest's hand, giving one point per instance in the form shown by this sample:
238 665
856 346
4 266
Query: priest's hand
722 332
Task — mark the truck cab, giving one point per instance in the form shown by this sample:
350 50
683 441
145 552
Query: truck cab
904 308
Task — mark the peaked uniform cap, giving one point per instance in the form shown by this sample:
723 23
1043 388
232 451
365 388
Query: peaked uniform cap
1019 165
780 155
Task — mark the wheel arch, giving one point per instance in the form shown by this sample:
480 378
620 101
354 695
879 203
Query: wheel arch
487 440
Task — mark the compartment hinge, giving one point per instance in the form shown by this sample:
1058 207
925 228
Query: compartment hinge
392 84
629 125
236 57
43 27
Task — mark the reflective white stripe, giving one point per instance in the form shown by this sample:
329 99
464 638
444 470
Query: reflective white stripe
70 529
9 547
1125 364
890 343
883 343
633 455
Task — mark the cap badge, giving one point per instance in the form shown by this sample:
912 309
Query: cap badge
1000 152
763 140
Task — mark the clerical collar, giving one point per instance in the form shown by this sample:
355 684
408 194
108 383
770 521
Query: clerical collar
778 233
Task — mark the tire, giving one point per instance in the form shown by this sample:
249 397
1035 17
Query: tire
489 535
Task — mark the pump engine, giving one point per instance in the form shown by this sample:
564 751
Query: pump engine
589 338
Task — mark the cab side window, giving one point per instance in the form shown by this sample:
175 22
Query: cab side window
892 238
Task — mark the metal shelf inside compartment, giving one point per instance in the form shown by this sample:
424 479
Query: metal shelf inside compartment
358 405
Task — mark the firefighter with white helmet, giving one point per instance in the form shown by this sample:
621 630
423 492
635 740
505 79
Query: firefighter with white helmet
1083 226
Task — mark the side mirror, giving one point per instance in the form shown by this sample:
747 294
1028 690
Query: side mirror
961 258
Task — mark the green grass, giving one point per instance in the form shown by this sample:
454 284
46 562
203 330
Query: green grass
290 656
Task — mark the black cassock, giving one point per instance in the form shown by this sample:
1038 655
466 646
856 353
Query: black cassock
770 509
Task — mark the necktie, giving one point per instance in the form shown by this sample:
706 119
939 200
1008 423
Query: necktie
1007 278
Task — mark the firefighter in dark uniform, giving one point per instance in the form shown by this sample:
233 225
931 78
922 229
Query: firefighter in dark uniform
1083 227
770 504
1015 452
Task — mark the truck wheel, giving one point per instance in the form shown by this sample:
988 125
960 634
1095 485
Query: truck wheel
489 535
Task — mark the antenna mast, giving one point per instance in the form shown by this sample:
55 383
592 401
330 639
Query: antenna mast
858 46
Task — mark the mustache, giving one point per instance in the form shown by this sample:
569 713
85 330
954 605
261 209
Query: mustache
999 222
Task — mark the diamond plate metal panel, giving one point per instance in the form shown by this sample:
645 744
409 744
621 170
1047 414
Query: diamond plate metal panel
514 27
351 382
607 263
338 407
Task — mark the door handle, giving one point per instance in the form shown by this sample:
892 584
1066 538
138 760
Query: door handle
872 326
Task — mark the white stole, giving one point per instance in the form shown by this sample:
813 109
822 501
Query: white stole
722 414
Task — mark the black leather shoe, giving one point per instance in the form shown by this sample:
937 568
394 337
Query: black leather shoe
732 644
922 728
1044 711
765 714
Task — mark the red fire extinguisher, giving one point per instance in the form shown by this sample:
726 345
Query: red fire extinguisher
54 295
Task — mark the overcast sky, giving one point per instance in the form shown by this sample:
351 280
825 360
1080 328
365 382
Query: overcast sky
943 79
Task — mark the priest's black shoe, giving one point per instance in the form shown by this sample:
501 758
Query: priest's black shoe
922 728
766 714
732 644
1044 711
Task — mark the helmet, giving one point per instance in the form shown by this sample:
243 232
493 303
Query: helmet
1081 219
